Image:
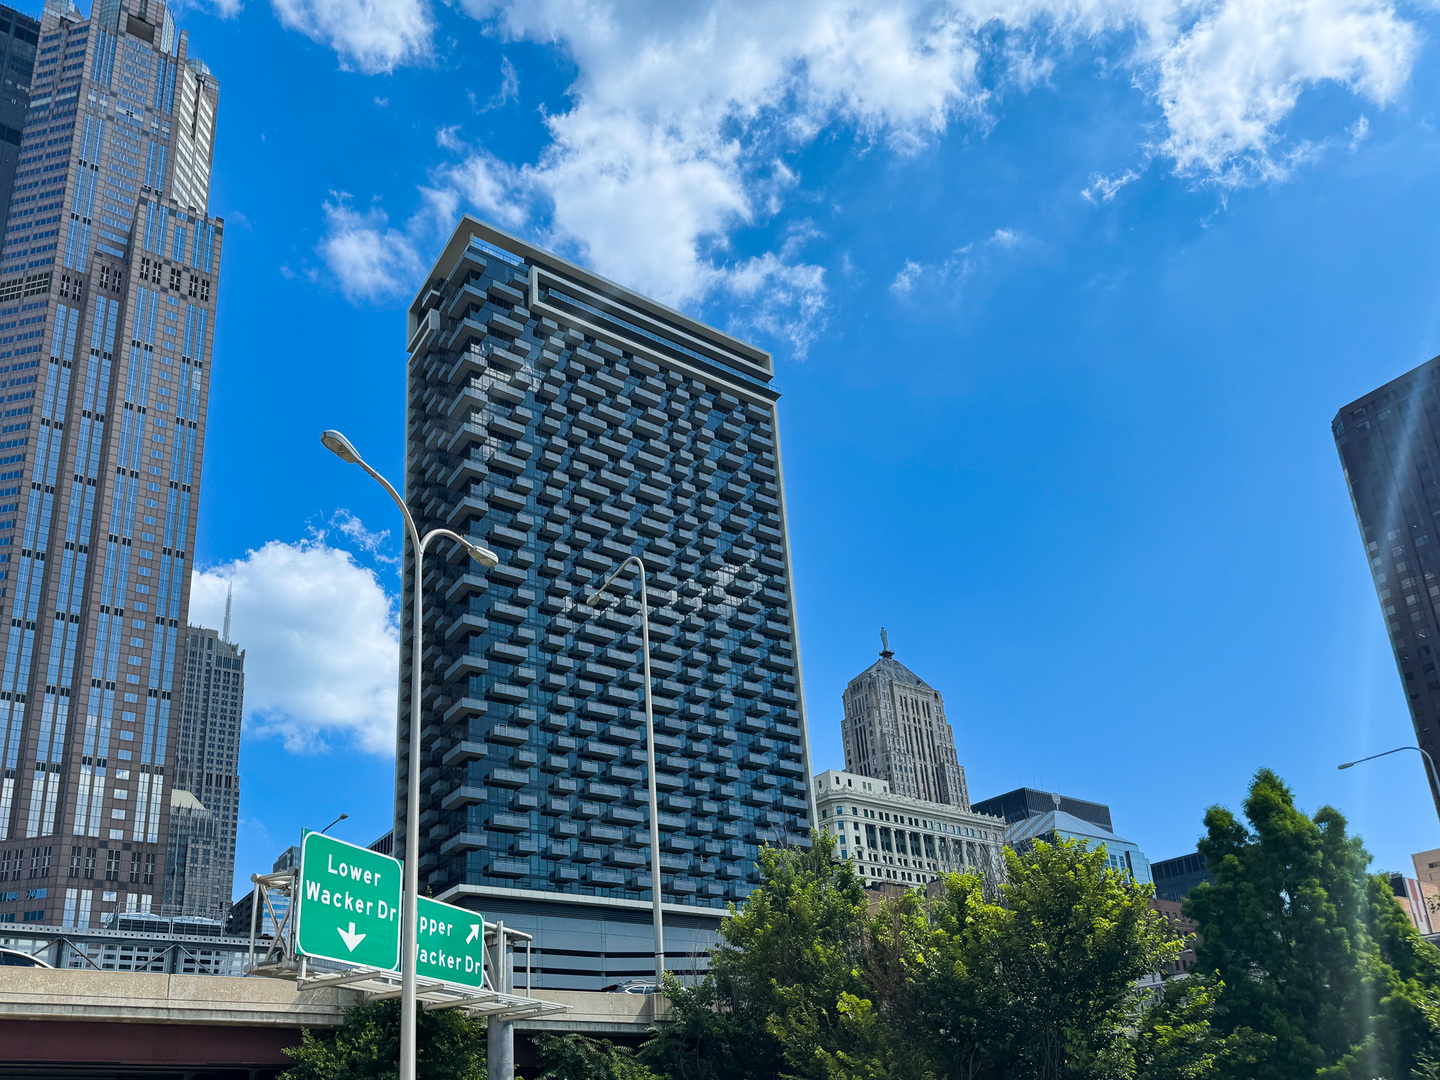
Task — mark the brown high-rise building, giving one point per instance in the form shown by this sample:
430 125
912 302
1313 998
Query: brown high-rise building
107 307
1389 443
895 729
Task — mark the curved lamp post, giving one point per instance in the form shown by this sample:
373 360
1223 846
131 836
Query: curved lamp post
1429 761
649 757
341 447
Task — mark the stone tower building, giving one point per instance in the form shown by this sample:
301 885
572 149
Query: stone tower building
895 730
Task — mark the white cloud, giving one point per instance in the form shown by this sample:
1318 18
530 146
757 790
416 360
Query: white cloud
375 543
481 182
509 86
448 138
960 265
1105 188
368 258
781 299
1229 80
372 35
221 9
321 643
906 277
682 115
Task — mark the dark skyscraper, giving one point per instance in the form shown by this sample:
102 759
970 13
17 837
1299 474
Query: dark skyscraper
569 423
19 36
205 801
1389 443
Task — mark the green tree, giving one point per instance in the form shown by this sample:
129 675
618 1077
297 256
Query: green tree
1314 953
770 1006
575 1057
704 1038
1176 1034
366 1046
810 983
1040 984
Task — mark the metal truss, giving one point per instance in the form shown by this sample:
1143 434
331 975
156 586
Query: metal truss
435 994
280 960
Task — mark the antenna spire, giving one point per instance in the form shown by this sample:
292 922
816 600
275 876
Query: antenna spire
885 644
229 595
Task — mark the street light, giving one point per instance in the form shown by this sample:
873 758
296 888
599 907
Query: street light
342 448
332 824
1429 761
650 760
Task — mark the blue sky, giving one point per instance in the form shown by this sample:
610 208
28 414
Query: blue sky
1063 297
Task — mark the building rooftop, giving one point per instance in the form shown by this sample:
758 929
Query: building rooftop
841 784
1027 802
1061 822
891 668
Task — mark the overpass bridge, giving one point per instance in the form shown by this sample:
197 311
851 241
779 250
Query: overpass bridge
111 1024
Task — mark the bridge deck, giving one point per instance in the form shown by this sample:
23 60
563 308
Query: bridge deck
60 1016
130 997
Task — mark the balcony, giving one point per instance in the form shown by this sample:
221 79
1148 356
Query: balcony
468 795
467 708
504 821
508 868
464 752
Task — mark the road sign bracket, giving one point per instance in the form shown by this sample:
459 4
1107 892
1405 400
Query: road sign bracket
378 985
279 956
281 960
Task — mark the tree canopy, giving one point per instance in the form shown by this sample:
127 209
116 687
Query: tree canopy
366 1046
812 983
1307 969
1313 951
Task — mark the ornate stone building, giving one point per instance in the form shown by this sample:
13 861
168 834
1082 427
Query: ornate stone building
896 840
895 730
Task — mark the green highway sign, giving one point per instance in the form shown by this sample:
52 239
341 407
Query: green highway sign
347 906
451 943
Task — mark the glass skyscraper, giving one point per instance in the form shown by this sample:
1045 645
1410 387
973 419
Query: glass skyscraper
107 301
205 799
568 423
1389 443
19 38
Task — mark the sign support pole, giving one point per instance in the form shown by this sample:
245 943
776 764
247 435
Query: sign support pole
500 1034
408 921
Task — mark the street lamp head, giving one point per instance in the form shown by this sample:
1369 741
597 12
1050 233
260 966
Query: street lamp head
344 817
484 556
340 446
1346 765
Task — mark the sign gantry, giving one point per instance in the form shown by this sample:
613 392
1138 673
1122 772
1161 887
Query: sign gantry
339 924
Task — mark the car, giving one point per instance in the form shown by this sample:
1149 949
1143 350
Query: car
16 958
628 988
